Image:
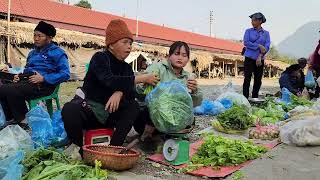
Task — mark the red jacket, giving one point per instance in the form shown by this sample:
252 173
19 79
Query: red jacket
315 61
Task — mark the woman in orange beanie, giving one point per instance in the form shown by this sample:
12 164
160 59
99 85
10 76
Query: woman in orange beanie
108 90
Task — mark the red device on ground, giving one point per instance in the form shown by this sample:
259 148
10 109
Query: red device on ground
98 136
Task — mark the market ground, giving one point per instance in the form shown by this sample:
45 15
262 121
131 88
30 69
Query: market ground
282 163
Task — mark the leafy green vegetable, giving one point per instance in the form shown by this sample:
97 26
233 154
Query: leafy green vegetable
170 106
221 151
49 164
270 114
237 175
235 118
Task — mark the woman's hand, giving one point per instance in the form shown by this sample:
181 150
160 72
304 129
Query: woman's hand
35 79
258 62
5 69
151 79
192 84
263 50
16 78
113 102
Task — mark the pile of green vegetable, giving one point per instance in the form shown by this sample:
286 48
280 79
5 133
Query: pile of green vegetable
296 101
170 106
219 151
271 114
235 118
49 164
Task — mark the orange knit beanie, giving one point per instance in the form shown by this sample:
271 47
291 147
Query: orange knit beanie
116 30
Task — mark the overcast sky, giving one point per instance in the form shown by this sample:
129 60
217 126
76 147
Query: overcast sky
230 17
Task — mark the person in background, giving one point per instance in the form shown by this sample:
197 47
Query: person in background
257 43
171 69
49 65
109 87
291 79
302 63
314 66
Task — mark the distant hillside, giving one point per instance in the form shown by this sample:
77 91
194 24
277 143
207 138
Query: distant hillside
301 43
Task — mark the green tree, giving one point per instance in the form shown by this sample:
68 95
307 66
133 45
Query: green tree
84 4
60 1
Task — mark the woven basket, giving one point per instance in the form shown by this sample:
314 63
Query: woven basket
109 157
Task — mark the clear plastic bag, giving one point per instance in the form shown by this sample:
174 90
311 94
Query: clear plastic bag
208 107
16 70
40 123
13 138
301 132
236 98
10 168
170 106
2 117
227 103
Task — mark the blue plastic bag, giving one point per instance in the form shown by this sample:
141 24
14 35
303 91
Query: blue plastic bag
212 107
40 123
199 110
59 133
227 103
309 81
216 109
286 96
10 168
2 117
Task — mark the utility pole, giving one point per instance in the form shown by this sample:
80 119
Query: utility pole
8 31
211 20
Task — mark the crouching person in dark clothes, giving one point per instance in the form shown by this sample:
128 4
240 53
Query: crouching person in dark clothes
49 65
109 90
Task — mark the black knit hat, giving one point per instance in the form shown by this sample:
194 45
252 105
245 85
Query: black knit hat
259 16
46 29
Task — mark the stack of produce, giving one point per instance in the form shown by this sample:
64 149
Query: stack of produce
296 101
50 164
264 132
220 151
233 120
269 115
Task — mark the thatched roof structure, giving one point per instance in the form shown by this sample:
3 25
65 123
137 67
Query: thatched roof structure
150 48
23 33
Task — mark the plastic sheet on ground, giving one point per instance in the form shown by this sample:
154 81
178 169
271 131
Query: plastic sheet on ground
12 139
207 171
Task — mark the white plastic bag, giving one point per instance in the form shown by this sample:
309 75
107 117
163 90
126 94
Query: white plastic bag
236 98
301 132
14 138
